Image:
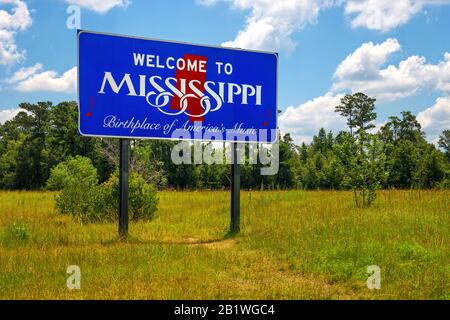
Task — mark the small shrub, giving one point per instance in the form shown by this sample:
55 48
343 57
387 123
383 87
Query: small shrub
84 199
415 252
74 170
19 231
77 177
15 233
142 197
58 176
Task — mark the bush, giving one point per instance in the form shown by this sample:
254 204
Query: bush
83 198
58 176
16 233
74 170
445 183
142 197
77 179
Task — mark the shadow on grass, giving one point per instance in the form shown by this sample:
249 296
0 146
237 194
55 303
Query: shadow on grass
187 240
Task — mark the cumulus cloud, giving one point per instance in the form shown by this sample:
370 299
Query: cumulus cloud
365 62
17 19
436 118
36 79
24 73
306 119
8 114
270 24
363 71
384 15
100 6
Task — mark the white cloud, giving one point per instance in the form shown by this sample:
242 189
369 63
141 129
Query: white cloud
436 118
18 19
385 15
24 73
9 54
100 6
34 79
8 114
365 61
306 119
443 81
363 71
270 24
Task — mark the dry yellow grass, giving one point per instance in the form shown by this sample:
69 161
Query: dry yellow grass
293 245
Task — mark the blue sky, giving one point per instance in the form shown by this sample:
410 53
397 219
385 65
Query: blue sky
393 50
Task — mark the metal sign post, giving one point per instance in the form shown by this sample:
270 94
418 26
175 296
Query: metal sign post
124 167
235 191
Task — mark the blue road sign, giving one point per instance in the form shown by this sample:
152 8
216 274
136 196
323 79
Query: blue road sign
131 87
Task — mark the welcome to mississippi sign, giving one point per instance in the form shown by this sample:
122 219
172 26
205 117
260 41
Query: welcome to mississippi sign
139 88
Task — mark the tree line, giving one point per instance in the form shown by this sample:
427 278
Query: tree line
396 156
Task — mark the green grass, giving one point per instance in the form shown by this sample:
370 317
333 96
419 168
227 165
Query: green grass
293 245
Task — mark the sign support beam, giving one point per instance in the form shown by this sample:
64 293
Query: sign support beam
235 191
124 168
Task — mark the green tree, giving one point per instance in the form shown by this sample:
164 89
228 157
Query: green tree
64 139
402 163
361 153
286 176
32 168
430 168
404 144
444 142
40 137
147 161
358 109
406 128
8 161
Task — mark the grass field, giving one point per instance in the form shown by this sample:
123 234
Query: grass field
293 245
